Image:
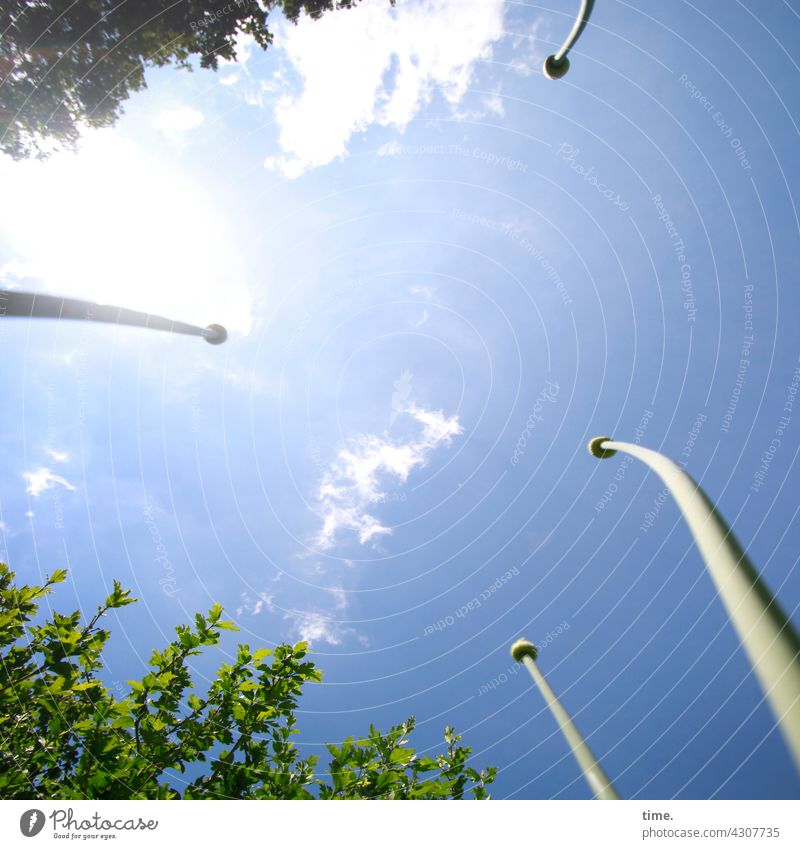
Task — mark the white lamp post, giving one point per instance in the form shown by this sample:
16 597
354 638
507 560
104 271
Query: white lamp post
599 783
16 304
768 637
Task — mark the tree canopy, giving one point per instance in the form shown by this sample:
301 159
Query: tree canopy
63 735
71 63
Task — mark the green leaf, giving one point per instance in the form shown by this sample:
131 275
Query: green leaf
67 735
401 756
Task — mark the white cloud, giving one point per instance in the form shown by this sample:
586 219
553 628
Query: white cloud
495 104
316 627
57 456
246 46
43 479
491 104
340 596
236 74
15 268
354 481
423 291
254 606
526 55
375 64
177 122
400 396
438 428
309 626
391 148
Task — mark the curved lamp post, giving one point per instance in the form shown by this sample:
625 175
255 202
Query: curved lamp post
599 783
557 65
34 305
768 637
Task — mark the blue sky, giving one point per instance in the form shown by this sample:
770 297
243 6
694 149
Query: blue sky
442 274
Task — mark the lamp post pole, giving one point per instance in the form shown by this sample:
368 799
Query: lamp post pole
525 653
16 304
768 637
556 65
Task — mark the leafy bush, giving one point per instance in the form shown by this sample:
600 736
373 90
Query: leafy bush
64 736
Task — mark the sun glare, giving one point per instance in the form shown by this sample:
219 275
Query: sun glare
113 224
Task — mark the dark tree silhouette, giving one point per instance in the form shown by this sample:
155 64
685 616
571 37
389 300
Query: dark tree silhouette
65 64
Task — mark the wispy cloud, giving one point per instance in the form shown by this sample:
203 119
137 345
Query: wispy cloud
237 75
57 456
42 479
176 122
317 628
311 626
354 482
254 606
340 597
391 148
489 105
375 64
526 53
400 396
16 269
421 291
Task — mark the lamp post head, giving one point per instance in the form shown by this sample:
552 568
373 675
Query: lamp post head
557 64
596 449
216 334
554 68
523 648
